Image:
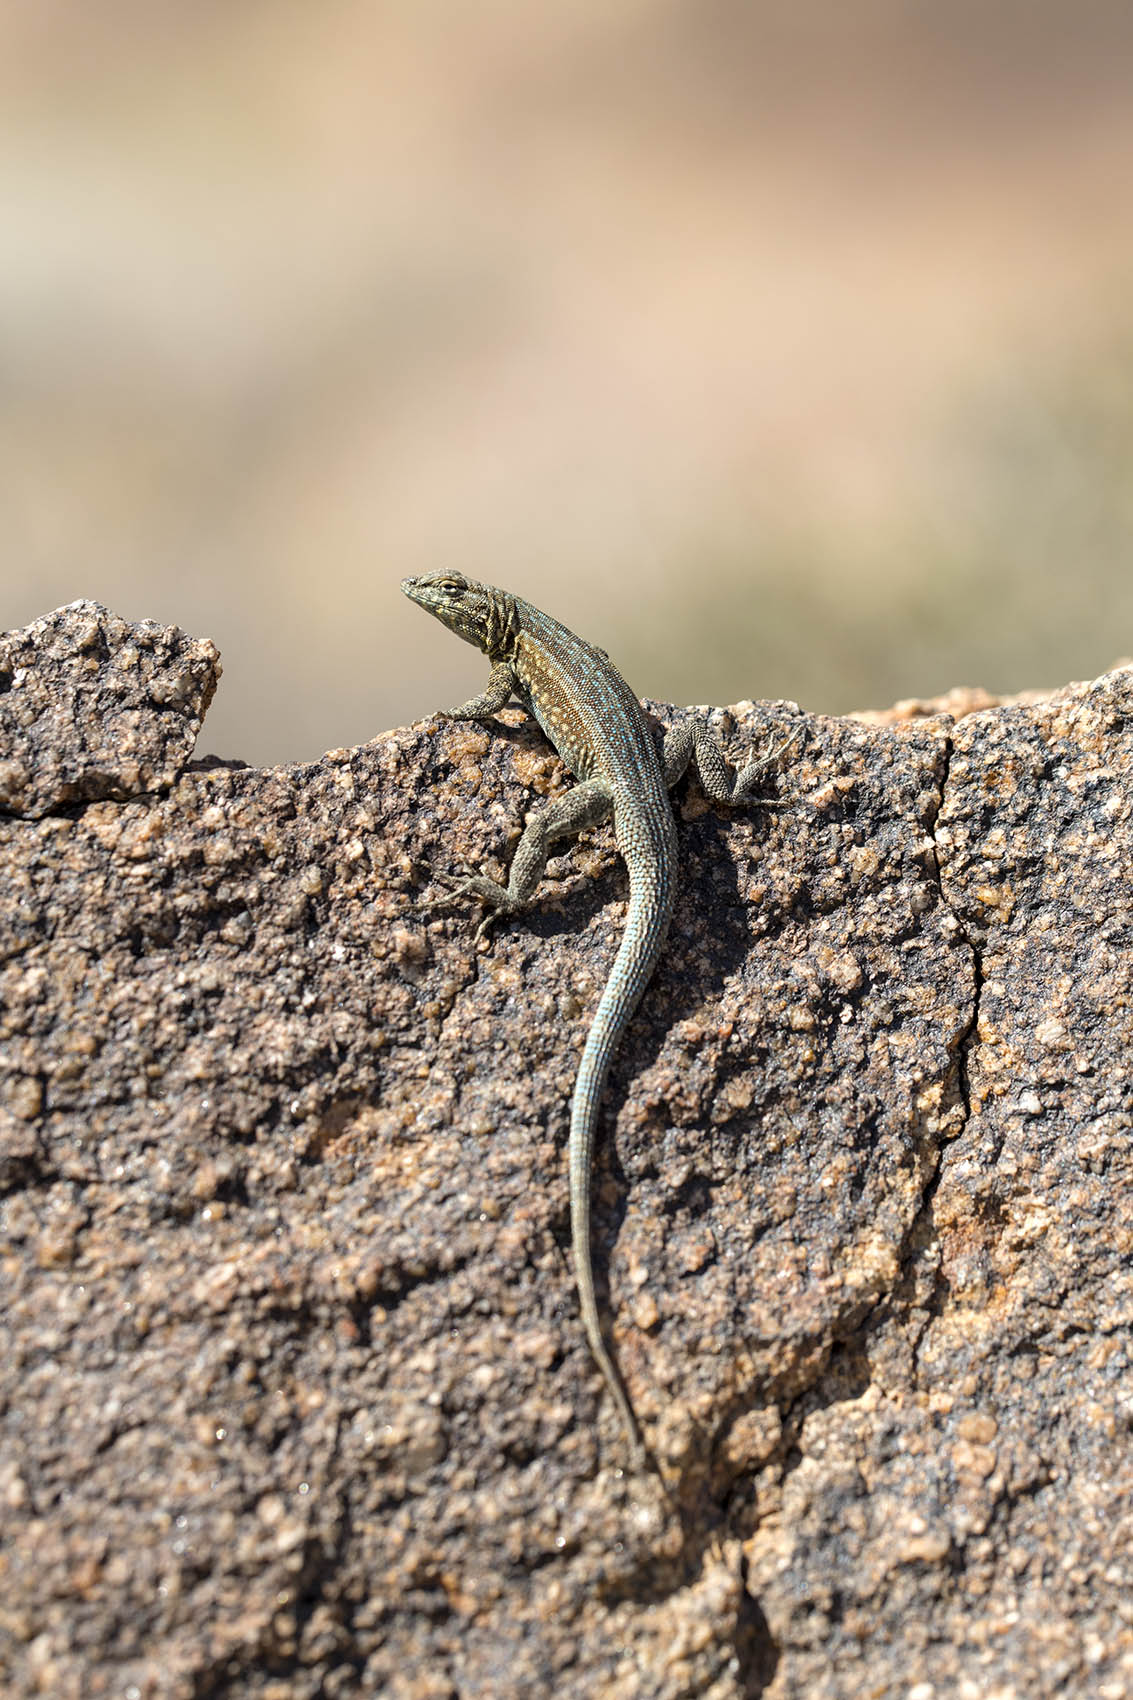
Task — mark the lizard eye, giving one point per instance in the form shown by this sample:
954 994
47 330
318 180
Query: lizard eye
451 584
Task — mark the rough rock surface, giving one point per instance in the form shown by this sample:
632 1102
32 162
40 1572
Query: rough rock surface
294 1396
91 707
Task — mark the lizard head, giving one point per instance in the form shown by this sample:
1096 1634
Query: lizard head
479 613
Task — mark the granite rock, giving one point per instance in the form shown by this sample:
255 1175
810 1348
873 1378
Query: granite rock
295 1400
92 707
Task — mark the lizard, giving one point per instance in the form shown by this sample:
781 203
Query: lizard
603 736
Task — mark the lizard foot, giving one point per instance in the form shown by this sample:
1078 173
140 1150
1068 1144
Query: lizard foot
467 883
752 770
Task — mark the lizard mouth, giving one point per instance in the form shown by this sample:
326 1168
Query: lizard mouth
427 596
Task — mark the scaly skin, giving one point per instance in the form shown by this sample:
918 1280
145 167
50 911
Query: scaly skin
602 734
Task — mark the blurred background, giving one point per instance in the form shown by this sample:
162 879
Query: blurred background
781 348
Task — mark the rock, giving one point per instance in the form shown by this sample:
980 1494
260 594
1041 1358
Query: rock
295 1399
92 707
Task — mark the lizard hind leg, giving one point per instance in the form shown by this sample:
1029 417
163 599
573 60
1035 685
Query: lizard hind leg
465 883
583 805
755 769
692 742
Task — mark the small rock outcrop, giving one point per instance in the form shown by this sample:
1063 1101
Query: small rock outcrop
294 1397
92 707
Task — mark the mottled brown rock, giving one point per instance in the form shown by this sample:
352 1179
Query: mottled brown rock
295 1400
93 707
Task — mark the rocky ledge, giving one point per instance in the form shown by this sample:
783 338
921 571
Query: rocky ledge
294 1396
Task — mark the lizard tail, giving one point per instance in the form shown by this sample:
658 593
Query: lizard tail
647 922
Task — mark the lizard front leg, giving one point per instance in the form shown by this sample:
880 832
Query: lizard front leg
496 693
583 805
